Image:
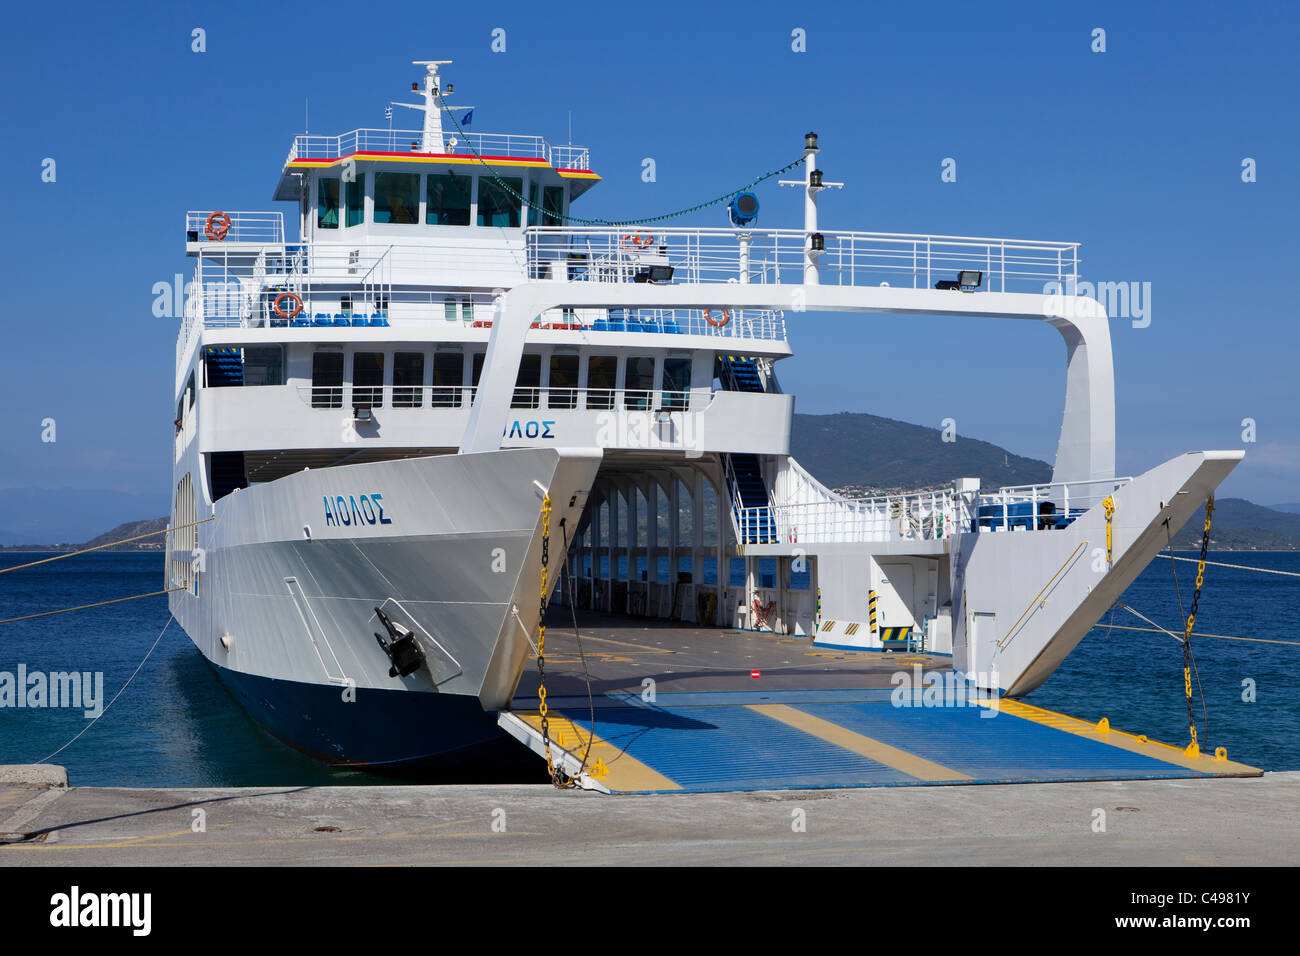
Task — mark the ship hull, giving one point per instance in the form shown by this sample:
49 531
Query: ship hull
291 583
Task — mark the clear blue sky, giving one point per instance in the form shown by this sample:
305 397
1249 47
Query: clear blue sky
1135 152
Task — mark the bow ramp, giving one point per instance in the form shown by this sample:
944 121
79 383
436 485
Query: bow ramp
810 719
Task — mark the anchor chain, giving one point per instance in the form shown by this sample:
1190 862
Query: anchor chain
1194 748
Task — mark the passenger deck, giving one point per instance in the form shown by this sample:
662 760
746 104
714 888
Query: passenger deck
736 710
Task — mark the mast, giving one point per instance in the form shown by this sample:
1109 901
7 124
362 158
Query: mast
432 140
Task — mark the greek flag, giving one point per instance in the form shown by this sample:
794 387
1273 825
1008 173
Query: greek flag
388 112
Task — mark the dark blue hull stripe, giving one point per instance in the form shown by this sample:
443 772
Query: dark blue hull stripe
380 728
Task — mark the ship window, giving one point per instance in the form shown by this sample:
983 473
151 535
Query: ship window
534 210
467 309
553 205
397 197
448 377
639 381
562 392
478 367
449 309
408 379
355 201
499 205
368 379
602 376
327 380
447 200
264 365
677 383
327 204
189 388
527 382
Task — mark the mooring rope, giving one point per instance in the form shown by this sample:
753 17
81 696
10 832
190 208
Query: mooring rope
1221 637
84 607
1239 567
115 696
100 547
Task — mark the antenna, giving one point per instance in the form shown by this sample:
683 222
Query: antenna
570 127
306 117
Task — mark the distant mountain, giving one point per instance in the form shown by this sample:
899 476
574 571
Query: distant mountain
132 529
855 450
31 516
1241 524
1291 506
129 529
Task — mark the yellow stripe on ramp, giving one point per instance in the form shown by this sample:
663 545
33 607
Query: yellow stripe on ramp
872 749
1205 763
626 773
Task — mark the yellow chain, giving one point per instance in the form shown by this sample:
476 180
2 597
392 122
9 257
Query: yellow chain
1194 749
1109 504
541 636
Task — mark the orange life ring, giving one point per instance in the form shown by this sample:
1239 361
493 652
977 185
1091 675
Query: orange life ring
638 240
726 317
297 301
217 226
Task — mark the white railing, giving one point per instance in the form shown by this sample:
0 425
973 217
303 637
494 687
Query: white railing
387 396
1039 507
608 254
546 399
919 516
216 225
732 323
931 515
408 141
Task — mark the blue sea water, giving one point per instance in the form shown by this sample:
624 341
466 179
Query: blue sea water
176 725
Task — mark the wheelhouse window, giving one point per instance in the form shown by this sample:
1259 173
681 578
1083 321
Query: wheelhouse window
397 197
327 380
677 383
553 206
528 382
638 382
499 205
448 377
368 379
408 379
602 376
563 389
447 200
327 204
264 365
534 208
355 201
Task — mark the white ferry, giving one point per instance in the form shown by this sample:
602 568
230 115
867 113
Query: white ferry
382 425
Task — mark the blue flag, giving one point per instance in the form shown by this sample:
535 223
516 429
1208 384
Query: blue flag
467 118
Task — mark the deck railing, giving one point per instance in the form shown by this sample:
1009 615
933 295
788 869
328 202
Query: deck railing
608 254
932 515
455 143
523 397
214 226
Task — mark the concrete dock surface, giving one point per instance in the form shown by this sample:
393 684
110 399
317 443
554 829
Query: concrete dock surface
1250 821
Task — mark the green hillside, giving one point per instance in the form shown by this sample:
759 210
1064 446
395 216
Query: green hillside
854 450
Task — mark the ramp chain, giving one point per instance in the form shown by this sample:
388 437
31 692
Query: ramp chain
1194 747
